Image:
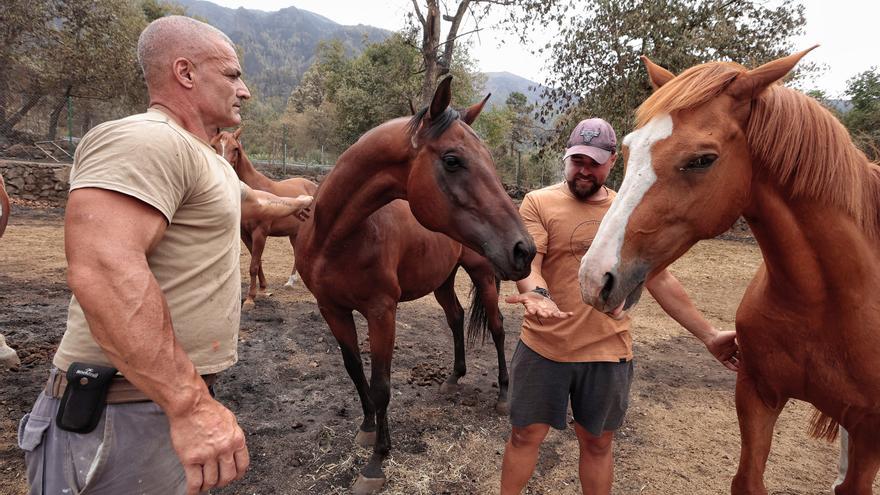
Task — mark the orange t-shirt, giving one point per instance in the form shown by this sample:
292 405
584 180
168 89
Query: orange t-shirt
563 228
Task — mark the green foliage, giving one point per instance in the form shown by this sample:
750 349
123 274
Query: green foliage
55 49
595 63
339 98
863 121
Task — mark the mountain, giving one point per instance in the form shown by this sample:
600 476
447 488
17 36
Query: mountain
501 84
277 47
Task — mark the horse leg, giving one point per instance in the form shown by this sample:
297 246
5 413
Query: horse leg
488 293
445 295
843 462
259 246
259 242
864 462
756 420
8 357
248 240
342 326
381 324
292 280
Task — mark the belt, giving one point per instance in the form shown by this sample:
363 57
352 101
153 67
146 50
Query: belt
121 390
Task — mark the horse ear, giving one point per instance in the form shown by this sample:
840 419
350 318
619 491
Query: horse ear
658 75
749 84
237 133
473 111
442 96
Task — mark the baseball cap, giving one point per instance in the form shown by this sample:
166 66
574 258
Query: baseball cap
594 138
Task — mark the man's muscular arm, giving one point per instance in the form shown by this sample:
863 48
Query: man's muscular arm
108 236
264 205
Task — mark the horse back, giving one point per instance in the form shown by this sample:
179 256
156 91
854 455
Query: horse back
389 255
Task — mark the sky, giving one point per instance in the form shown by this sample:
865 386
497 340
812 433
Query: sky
844 29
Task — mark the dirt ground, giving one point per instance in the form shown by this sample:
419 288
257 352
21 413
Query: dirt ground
300 411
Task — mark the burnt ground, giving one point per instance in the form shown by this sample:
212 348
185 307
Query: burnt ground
300 411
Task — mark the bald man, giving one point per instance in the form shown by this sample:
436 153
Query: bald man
152 244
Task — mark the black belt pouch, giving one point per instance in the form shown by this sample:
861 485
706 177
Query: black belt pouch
85 397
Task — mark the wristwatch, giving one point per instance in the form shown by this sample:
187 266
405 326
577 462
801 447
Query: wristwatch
544 292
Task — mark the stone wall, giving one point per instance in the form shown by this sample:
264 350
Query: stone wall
36 181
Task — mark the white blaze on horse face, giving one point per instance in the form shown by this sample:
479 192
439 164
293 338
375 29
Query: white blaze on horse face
604 253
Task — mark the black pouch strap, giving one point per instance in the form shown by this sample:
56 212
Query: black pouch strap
85 397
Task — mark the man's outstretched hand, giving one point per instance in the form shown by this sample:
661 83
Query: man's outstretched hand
538 305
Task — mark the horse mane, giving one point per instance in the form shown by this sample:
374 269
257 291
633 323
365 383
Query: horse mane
436 127
797 140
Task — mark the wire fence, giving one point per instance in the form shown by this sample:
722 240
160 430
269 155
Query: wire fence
47 126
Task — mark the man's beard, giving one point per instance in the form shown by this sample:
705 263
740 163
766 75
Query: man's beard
584 192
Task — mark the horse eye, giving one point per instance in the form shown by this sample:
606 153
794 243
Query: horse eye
702 162
451 162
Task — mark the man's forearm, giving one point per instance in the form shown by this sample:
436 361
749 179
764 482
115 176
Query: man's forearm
535 278
670 294
129 319
267 206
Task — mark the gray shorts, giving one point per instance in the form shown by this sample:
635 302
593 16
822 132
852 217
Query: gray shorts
540 391
128 452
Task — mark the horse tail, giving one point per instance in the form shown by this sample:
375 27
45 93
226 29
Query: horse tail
823 427
478 322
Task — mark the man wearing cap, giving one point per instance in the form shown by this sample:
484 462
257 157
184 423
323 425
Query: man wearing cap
568 350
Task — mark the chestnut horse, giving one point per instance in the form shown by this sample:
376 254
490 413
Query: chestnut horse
8 357
719 141
255 231
355 255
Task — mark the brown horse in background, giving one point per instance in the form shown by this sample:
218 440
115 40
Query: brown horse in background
255 231
4 207
8 356
719 141
355 255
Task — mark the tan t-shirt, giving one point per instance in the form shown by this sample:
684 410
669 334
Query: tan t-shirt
563 228
196 263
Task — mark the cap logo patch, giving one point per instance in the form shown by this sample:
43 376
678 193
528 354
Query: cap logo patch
589 134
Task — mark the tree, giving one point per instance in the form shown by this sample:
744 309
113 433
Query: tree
55 49
358 93
439 58
594 60
863 120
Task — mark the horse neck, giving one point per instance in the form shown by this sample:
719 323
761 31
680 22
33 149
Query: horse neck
368 175
811 249
250 175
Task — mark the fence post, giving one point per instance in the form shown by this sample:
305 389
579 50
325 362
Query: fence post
284 149
70 123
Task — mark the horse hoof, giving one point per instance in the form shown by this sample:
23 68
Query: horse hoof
367 486
365 439
502 407
449 388
247 305
265 293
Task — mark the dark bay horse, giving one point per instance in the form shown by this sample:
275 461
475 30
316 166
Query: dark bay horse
355 255
255 231
719 141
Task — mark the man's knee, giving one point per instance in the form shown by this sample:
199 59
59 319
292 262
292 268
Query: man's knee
592 444
528 436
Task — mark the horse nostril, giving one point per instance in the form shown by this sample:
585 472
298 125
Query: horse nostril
607 286
522 255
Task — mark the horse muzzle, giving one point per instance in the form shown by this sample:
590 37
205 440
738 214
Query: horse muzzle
513 263
612 291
